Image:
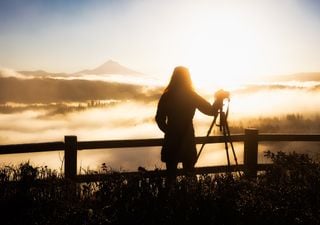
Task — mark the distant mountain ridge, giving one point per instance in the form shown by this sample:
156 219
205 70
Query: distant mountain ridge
110 67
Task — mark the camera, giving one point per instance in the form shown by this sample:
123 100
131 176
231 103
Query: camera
221 95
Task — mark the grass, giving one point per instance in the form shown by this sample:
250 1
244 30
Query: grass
287 193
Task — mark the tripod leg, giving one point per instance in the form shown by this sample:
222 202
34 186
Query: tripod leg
226 145
231 144
208 133
232 147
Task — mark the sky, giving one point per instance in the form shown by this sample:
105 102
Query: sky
228 39
219 40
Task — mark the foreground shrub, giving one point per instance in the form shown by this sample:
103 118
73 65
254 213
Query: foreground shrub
287 193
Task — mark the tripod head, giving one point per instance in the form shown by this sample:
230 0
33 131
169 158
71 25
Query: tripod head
220 96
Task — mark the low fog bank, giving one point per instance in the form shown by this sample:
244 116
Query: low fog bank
135 121
118 121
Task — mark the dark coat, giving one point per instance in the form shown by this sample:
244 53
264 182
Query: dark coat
174 117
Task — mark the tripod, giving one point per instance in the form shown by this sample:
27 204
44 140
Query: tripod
224 127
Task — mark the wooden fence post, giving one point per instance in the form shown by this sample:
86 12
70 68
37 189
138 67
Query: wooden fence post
250 155
70 157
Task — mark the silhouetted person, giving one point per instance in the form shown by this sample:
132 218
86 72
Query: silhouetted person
175 112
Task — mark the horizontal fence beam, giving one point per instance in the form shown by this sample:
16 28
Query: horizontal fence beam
86 145
251 138
119 143
82 145
30 148
219 139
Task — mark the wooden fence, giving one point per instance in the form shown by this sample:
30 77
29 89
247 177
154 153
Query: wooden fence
71 146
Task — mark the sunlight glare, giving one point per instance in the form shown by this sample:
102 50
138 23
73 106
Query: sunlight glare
223 48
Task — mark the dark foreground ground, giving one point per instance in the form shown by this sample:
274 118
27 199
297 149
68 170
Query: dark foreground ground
288 193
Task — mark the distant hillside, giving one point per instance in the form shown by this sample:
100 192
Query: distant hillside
110 67
42 73
295 77
48 90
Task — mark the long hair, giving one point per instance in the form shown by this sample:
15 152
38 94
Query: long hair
180 80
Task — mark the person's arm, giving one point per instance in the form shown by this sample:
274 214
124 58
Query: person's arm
161 117
205 107
218 104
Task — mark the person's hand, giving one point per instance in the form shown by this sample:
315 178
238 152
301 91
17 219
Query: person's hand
218 103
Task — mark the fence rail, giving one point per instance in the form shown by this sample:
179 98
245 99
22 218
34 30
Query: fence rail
71 146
